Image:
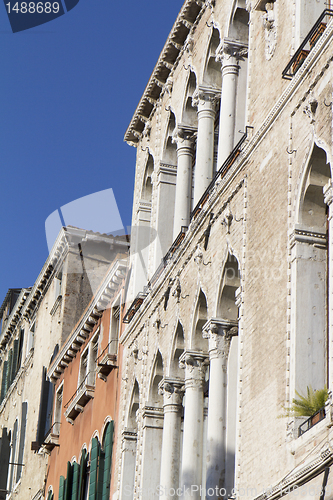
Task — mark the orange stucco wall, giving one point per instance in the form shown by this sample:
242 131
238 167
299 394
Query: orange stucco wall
92 420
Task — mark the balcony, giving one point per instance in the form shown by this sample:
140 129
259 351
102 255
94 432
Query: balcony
80 398
311 421
307 45
51 439
106 362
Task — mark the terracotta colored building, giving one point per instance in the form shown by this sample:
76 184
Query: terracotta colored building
85 374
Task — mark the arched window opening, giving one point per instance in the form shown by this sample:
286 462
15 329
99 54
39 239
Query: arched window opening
170 149
189 111
129 447
226 308
155 397
212 74
201 316
178 349
147 188
309 280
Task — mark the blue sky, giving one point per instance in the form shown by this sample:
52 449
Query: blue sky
69 90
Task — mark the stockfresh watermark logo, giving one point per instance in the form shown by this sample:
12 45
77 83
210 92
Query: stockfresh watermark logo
25 15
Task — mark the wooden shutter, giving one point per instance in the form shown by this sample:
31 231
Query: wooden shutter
62 488
108 443
100 474
9 369
94 456
19 361
15 359
13 456
45 408
69 479
4 380
75 481
50 495
83 474
22 440
4 461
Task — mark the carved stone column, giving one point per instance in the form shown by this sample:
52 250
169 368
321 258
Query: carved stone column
195 364
151 452
205 99
219 333
129 444
328 199
232 52
184 178
172 390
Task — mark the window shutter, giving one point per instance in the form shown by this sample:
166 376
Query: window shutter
108 442
15 359
75 481
4 462
83 474
13 456
68 485
20 349
22 440
100 474
45 408
4 380
62 488
9 369
50 495
93 469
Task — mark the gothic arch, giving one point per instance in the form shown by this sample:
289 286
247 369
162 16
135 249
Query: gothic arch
200 317
147 184
226 307
212 69
189 113
178 347
170 146
133 406
155 378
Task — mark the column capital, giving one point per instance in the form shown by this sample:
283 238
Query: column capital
173 391
219 333
184 133
328 193
206 97
231 51
195 364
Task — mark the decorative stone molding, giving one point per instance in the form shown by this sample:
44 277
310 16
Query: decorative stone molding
328 193
173 390
205 96
311 237
177 291
219 333
310 108
229 49
195 363
270 25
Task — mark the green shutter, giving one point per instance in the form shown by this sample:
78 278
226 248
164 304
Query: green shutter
100 474
4 380
4 461
62 488
15 359
50 495
19 360
75 481
108 442
69 478
22 440
93 469
14 440
83 473
9 370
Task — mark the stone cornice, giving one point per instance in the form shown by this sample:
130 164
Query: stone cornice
89 319
187 17
14 318
313 237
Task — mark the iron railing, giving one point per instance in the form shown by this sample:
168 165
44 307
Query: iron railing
220 173
311 421
307 45
107 350
56 431
83 383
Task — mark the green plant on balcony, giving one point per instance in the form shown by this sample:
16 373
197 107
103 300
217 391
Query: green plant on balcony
306 406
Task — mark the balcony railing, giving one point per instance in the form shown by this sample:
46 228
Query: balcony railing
311 421
307 45
81 396
106 361
219 174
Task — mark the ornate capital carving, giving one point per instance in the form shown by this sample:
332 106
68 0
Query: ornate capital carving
328 193
195 364
173 390
231 51
205 96
219 333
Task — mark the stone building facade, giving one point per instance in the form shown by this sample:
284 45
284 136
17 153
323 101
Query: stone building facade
230 308
35 324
